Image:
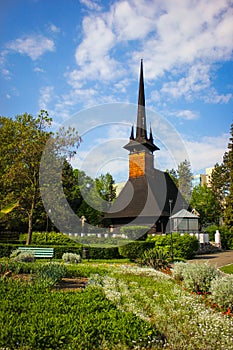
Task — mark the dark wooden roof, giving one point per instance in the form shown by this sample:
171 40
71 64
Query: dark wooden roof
148 197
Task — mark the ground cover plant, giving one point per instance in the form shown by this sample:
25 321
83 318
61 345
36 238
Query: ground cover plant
124 306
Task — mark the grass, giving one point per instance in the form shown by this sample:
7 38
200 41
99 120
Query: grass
227 269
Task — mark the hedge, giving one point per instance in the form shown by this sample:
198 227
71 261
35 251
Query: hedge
184 247
134 250
94 252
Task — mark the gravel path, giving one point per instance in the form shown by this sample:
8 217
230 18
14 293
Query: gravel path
215 259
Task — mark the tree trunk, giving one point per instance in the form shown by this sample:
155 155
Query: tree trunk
30 217
29 236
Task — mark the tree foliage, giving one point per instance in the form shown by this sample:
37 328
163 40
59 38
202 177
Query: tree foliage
205 202
185 179
222 183
22 143
228 214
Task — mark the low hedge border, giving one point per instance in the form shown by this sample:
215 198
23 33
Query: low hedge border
93 252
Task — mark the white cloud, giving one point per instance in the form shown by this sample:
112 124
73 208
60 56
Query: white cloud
91 5
46 95
54 29
186 114
206 152
184 38
33 46
6 73
38 70
131 20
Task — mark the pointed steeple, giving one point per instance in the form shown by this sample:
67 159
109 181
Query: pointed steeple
141 115
141 141
132 133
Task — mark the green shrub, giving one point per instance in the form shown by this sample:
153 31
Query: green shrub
184 247
48 274
48 238
226 235
177 271
222 291
60 250
104 253
196 277
134 232
158 259
135 250
71 258
19 256
7 249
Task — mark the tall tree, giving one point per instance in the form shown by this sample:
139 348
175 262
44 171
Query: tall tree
105 187
222 183
173 175
206 203
185 179
96 196
228 213
25 147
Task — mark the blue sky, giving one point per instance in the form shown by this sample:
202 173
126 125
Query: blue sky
80 61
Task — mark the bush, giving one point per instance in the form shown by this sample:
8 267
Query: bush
134 232
71 258
48 238
60 250
19 256
196 277
6 249
50 273
178 269
184 247
226 235
222 291
155 258
135 250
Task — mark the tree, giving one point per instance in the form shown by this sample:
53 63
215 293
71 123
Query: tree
22 152
105 187
96 196
228 161
173 175
222 183
185 179
206 203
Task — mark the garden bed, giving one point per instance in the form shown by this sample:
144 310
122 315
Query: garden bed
71 284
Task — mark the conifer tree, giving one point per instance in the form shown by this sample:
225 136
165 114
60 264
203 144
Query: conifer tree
228 213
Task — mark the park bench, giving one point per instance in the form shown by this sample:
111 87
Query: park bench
39 252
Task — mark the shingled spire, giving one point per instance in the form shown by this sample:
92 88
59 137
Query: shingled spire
141 141
141 132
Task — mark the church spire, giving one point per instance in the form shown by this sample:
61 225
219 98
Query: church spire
141 115
141 142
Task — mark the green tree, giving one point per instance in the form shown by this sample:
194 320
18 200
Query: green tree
105 187
185 179
222 183
206 203
22 152
228 213
96 196
174 176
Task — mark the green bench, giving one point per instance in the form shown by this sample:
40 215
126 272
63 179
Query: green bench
39 252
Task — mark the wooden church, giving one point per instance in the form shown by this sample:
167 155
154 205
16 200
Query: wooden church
149 197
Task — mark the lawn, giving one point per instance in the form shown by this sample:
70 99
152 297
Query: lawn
227 269
123 307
